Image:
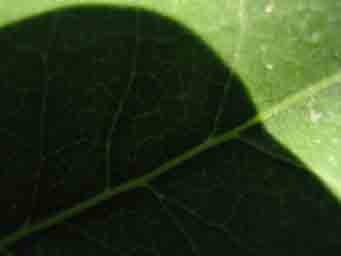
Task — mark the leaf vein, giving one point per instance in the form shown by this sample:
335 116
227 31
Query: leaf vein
139 182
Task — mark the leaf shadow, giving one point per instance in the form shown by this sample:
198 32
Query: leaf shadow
96 95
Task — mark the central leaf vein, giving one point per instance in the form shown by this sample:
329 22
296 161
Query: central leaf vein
143 181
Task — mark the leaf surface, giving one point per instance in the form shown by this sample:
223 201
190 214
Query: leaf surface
173 127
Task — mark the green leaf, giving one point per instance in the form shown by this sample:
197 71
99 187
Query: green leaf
170 128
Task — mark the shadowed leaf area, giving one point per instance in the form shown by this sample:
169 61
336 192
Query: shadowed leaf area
94 96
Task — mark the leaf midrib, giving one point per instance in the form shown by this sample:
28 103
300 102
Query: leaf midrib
143 181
